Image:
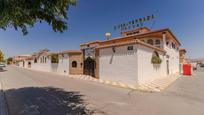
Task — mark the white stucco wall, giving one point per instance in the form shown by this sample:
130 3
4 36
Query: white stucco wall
63 66
146 70
20 64
120 66
46 67
26 63
135 66
173 60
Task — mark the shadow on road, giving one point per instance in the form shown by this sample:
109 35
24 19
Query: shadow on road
45 101
2 70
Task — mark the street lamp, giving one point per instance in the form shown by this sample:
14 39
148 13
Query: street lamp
107 34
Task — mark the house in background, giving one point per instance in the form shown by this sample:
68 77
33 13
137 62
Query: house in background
67 62
137 56
182 59
196 63
28 62
70 62
182 55
41 61
21 60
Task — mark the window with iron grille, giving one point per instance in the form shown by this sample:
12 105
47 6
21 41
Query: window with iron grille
130 48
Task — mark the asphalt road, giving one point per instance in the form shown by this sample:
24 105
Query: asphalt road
37 93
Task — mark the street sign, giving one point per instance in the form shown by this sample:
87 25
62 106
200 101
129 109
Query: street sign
89 52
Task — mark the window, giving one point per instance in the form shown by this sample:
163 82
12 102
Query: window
158 43
130 48
74 64
173 45
167 43
150 41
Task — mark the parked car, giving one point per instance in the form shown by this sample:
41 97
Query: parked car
201 65
2 65
194 68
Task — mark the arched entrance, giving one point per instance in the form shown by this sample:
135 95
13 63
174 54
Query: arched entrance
89 66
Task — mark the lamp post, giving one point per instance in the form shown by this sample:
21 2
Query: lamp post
107 34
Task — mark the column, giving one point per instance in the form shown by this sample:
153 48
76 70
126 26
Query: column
164 39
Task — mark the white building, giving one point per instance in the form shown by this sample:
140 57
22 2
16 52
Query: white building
131 58
68 62
21 60
138 56
41 61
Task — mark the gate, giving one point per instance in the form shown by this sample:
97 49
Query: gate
29 64
89 67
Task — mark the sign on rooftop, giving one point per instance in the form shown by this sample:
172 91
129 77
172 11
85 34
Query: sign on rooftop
132 24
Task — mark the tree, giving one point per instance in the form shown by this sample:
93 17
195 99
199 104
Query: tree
10 60
20 14
54 58
1 56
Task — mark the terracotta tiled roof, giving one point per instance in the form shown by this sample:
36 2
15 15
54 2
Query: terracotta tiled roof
182 50
145 33
136 35
91 42
69 52
129 43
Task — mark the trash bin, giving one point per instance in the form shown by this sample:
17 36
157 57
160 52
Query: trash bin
187 69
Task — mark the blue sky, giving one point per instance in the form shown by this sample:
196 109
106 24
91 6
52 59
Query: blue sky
90 19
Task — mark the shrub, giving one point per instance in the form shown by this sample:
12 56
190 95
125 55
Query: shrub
54 58
156 60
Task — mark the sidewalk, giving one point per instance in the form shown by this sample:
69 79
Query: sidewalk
156 85
161 84
3 105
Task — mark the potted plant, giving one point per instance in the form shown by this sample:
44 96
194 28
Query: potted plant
156 59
